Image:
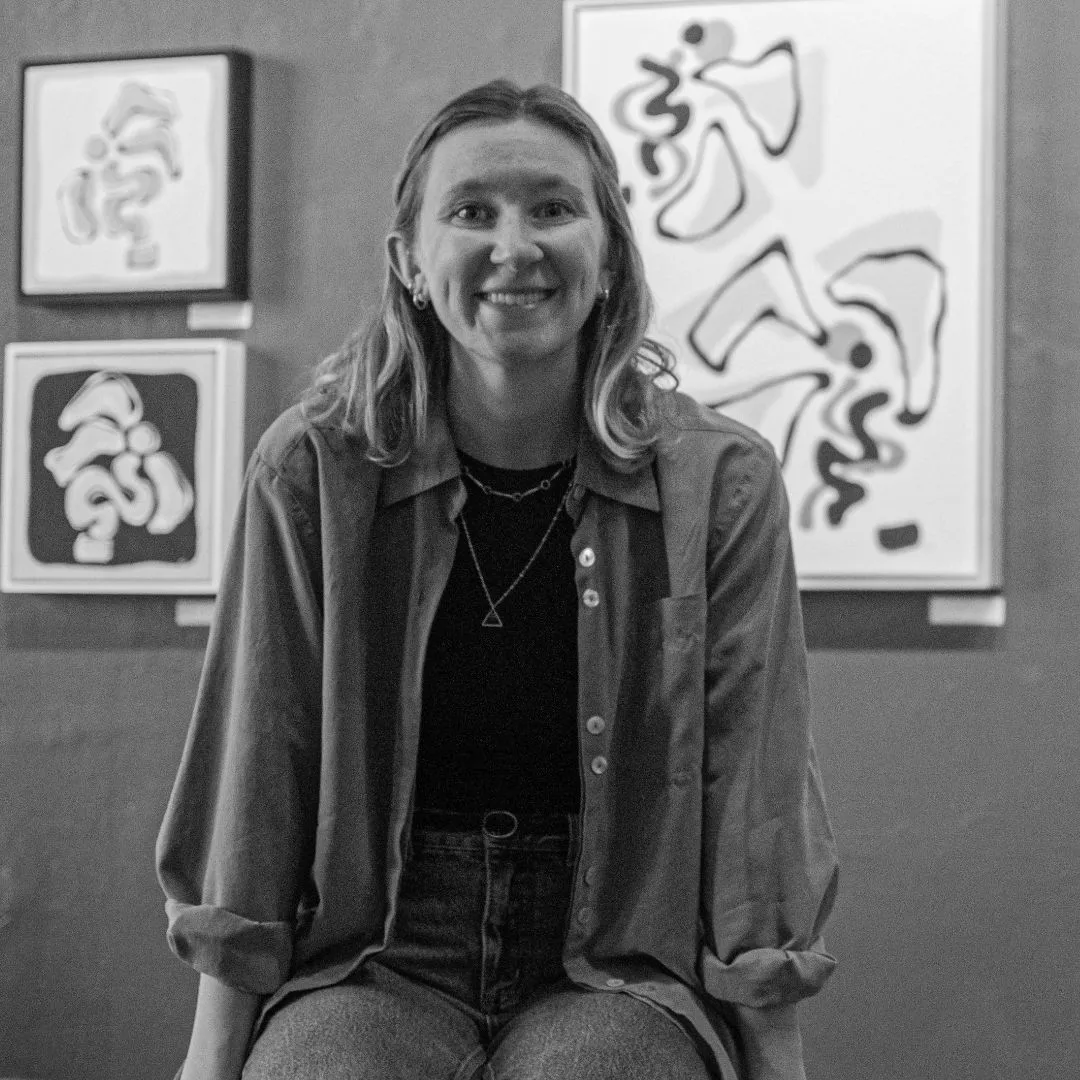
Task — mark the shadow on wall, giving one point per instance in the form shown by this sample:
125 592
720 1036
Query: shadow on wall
886 620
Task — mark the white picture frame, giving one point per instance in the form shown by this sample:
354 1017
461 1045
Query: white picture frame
815 188
134 177
122 465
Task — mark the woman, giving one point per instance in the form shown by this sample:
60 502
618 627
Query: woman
500 763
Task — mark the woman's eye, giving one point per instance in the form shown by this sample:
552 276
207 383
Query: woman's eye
470 214
555 210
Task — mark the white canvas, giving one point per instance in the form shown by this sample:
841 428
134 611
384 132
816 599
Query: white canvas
125 176
812 184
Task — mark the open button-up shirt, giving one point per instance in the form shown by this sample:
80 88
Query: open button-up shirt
707 864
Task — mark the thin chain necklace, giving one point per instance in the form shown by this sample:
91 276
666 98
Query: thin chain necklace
492 620
517 496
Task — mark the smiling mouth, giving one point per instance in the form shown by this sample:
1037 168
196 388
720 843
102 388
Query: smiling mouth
524 298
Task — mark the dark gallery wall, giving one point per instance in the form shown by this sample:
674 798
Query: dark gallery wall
952 757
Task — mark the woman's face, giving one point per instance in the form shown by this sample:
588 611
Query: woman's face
510 244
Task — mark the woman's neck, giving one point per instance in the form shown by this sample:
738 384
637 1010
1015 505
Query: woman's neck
514 420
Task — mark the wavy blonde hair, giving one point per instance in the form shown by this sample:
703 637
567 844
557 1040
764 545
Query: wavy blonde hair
380 382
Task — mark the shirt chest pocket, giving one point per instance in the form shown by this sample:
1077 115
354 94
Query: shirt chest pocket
680 622
678 651
664 692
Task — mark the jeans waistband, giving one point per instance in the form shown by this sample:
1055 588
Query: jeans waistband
494 824
493 831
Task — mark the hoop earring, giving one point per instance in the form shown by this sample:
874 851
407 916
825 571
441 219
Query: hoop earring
420 301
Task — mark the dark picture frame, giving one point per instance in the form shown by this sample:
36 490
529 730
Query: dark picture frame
134 178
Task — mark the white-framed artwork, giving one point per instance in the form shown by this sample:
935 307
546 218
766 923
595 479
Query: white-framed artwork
134 178
815 188
122 464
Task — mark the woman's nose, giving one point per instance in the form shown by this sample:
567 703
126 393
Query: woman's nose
514 243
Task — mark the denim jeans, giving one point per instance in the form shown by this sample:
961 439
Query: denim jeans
471 984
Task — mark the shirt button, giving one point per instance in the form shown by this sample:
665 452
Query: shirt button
587 557
590 598
616 983
599 765
595 725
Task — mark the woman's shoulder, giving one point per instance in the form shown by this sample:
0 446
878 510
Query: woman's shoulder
693 433
296 447
704 451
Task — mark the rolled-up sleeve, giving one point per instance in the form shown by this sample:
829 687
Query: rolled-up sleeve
769 861
236 842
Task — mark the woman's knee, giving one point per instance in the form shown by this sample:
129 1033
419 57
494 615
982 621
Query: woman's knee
359 1030
580 1035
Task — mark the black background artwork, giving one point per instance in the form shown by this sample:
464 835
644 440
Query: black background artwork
170 403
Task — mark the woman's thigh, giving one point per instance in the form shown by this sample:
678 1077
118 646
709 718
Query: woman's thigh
376 1026
574 1034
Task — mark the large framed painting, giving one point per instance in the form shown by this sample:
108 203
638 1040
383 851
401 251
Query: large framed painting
134 178
122 465
815 188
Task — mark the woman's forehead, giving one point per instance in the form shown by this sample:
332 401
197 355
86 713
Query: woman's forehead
515 151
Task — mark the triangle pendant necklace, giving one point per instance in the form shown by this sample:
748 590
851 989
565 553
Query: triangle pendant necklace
492 620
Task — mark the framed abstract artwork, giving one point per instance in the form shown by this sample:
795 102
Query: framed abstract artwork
134 178
814 185
122 465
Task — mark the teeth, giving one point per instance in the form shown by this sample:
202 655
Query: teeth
515 299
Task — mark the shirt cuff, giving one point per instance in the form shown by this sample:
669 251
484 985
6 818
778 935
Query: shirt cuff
251 956
763 978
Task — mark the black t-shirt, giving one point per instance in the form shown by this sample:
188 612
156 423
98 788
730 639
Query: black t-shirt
499 721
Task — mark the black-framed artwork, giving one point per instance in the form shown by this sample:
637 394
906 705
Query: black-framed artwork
134 178
122 464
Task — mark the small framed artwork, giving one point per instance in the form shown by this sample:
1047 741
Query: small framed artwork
134 178
122 465
815 188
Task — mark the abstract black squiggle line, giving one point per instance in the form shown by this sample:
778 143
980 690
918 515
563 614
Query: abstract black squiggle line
663 229
785 46
907 416
659 105
828 456
766 310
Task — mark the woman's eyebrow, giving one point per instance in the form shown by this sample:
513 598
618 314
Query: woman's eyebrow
543 184
465 189
559 185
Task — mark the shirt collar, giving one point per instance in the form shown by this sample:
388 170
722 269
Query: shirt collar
594 473
430 464
435 461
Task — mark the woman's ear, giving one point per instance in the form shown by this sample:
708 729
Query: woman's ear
401 259
604 282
